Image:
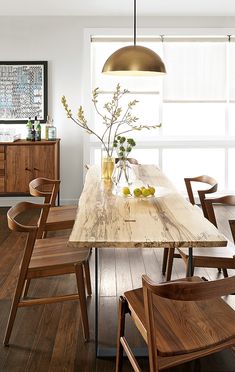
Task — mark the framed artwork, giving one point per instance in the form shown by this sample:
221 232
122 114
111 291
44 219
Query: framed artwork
23 91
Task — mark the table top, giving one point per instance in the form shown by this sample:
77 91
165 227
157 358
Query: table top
165 220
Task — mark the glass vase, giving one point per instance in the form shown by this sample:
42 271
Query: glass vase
123 173
107 165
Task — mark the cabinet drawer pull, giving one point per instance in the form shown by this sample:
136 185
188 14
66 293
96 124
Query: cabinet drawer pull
27 169
37 169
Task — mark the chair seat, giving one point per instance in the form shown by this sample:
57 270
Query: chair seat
187 326
61 217
55 252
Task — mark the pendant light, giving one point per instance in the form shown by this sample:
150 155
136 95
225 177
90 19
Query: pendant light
134 59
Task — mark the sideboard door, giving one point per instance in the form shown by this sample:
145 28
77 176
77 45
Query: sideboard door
22 162
19 170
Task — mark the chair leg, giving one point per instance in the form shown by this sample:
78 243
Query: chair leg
164 260
169 263
13 311
44 234
86 268
26 287
225 272
122 310
188 270
82 298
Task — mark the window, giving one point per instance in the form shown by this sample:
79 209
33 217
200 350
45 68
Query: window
195 102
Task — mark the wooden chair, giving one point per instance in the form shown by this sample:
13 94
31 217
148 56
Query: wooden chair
223 257
168 255
59 218
178 320
201 193
43 258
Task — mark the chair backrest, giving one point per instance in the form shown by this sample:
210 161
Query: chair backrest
45 187
192 289
202 193
31 229
224 200
232 228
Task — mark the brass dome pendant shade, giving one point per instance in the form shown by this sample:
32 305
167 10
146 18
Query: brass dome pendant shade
134 60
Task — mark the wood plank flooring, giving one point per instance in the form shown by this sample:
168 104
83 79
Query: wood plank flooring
49 337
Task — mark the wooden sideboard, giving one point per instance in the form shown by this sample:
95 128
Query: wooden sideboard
22 161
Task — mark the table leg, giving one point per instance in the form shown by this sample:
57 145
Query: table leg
190 262
101 350
96 302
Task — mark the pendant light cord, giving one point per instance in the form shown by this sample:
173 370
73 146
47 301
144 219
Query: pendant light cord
134 22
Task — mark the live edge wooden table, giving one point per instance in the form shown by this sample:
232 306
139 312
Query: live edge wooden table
106 220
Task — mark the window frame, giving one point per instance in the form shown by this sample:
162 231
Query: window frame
226 142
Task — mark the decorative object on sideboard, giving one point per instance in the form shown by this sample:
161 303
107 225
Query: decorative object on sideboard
9 135
29 127
49 124
37 127
51 131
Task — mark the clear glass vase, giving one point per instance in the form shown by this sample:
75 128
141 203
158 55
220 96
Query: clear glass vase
107 165
123 173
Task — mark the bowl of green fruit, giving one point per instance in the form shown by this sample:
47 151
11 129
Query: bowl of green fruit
138 192
141 192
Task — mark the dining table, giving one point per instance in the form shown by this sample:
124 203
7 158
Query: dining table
108 219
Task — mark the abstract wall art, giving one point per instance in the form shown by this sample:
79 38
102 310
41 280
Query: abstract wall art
23 91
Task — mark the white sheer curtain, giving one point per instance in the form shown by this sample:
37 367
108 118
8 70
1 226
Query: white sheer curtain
196 71
195 88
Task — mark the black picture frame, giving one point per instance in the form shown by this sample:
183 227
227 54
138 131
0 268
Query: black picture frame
23 91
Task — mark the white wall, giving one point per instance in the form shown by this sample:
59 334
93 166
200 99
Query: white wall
60 41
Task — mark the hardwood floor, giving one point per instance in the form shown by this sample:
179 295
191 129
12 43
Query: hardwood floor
49 337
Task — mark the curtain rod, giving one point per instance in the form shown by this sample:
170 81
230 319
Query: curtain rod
164 38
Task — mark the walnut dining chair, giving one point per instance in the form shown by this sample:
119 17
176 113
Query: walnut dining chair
169 254
210 181
45 258
59 217
178 320
222 257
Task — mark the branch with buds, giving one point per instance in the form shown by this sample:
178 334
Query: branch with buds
113 118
